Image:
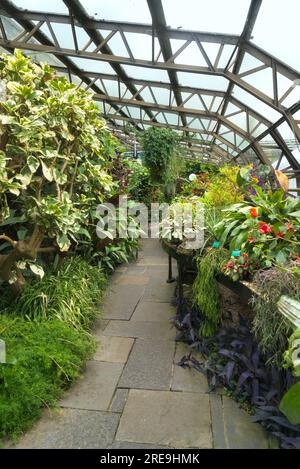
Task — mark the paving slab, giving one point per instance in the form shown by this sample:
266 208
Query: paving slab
129 279
174 419
153 311
240 432
119 400
187 379
159 290
141 329
71 429
153 260
132 445
95 389
121 300
217 421
149 365
99 326
113 349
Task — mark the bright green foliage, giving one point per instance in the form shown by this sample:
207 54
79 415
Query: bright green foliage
205 289
113 255
196 167
270 327
290 404
293 352
161 156
43 358
223 189
69 295
140 186
54 149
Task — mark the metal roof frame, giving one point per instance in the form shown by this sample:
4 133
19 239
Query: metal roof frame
225 138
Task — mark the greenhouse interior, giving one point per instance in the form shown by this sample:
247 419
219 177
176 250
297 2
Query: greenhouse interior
149 225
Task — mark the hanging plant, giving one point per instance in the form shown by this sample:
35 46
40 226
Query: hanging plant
160 147
205 290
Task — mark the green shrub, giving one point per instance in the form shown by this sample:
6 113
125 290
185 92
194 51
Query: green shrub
43 358
70 295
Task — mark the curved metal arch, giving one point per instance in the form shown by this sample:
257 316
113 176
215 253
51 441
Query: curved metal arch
231 73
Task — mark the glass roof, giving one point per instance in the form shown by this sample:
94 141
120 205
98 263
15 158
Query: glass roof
182 65
207 15
277 30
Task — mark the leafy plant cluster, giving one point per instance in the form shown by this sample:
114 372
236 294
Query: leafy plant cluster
43 357
54 154
140 185
233 359
198 168
205 290
290 403
270 327
70 295
174 227
223 189
266 228
161 157
46 331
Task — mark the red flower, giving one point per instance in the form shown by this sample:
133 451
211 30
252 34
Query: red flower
253 212
246 266
265 229
245 255
251 240
280 234
230 265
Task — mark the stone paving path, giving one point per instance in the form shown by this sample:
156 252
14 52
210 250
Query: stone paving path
133 395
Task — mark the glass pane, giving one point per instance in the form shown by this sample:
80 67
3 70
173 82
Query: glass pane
287 134
282 38
133 112
262 81
193 103
135 11
91 65
172 118
257 105
44 57
216 15
191 55
55 6
162 95
146 73
141 46
12 28
209 82
117 46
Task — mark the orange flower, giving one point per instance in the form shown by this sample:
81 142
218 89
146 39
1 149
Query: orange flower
253 212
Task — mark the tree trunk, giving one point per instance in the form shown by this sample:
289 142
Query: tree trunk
23 250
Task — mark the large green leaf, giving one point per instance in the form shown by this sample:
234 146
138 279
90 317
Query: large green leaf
295 214
227 231
290 404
